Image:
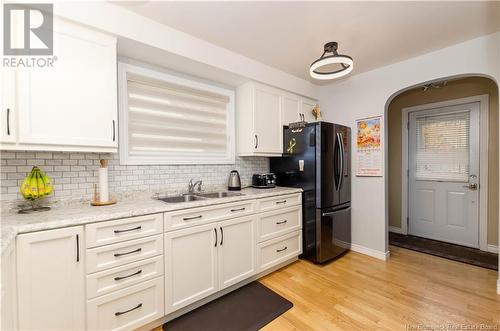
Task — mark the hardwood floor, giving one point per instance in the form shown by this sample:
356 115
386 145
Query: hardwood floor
357 292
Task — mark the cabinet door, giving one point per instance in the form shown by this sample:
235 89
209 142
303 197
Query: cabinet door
267 120
190 265
72 103
236 250
8 289
51 280
307 106
8 111
291 109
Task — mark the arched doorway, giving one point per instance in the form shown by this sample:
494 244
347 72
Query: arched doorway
402 204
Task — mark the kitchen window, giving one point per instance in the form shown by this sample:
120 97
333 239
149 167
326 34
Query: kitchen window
166 119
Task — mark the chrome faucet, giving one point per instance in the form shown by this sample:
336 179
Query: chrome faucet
192 185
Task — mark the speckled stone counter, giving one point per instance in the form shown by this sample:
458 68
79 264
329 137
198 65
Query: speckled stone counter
72 214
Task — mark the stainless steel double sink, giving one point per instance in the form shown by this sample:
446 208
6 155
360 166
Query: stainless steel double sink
198 196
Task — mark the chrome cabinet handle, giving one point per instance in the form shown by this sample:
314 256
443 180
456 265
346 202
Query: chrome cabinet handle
138 250
128 276
256 141
281 250
128 311
114 136
192 218
282 222
221 236
239 209
8 121
215 230
280 202
128 230
77 248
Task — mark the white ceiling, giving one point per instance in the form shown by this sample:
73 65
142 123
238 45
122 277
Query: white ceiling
290 35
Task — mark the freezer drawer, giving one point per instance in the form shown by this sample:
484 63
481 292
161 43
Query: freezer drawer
333 233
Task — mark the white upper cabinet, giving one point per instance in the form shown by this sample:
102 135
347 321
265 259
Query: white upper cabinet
291 109
306 107
8 134
261 112
258 120
71 105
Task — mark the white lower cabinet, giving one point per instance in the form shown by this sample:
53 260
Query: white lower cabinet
190 265
236 250
205 259
8 289
127 309
273 252
123 274
51 280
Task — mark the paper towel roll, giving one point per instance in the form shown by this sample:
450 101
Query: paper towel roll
103 185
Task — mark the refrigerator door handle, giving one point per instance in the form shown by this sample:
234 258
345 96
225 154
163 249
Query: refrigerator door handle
341 172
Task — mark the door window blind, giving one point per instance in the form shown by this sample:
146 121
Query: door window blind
169 123
442 149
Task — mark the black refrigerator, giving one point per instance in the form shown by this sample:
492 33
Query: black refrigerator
316 158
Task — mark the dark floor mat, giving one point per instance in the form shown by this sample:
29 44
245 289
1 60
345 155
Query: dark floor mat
246 309
449 251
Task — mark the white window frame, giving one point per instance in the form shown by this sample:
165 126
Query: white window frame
125 159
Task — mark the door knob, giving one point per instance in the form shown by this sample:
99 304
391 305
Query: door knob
471 186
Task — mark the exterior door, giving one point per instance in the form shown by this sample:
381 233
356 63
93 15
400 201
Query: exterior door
236 250
444 174
51 280
190 265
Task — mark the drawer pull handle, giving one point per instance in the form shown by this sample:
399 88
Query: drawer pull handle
128 276
239 209
192 218
127 253
281 250
280 202
282 222
118 313
128 230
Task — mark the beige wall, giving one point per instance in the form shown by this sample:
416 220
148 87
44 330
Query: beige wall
460 88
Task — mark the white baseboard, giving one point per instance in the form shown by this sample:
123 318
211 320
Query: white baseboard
498 286
492 249
395 229
384 256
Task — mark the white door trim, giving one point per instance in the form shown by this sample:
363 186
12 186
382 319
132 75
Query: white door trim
483 161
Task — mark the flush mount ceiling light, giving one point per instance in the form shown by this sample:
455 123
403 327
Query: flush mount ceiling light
327 67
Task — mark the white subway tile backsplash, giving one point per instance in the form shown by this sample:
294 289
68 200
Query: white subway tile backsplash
75 174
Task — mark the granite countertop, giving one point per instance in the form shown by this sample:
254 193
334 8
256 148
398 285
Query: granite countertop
78 213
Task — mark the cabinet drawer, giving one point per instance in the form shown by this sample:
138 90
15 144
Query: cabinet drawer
107 281
127 309
275 251
196 216
279 222
278 202
115 255
111 232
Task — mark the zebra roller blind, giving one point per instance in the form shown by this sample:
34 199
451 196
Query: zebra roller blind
443 147
173 123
